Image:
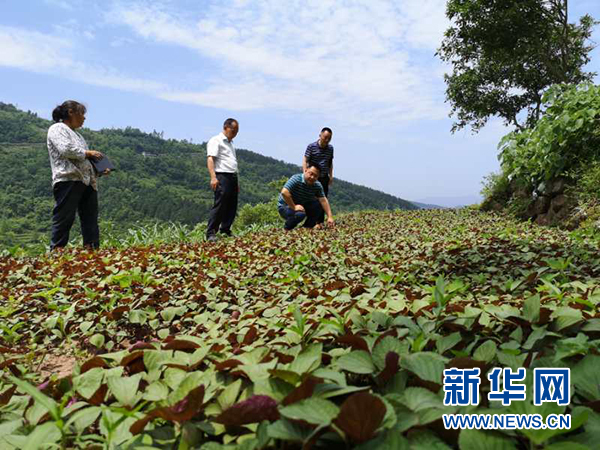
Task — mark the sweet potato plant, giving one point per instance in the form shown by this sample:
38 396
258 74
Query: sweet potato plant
329 339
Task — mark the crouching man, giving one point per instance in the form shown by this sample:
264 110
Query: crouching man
303 197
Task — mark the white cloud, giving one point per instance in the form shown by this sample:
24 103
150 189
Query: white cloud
360 61
356 62
43 53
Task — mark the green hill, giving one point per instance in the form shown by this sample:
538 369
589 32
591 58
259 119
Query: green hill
157 179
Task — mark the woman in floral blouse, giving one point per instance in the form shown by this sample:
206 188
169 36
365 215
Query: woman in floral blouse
73 178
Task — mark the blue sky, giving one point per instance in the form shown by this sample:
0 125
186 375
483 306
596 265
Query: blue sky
284 69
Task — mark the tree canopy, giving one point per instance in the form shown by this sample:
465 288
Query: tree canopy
506 53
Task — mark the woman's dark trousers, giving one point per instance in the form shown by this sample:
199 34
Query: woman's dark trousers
73 197
223 212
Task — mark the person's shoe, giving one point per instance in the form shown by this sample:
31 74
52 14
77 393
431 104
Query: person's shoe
226 233
211 238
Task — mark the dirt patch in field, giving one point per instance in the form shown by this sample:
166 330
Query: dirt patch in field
60 365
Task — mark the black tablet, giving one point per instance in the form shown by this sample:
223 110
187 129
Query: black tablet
101 165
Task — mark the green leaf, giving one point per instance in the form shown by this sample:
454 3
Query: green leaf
447 342
531 309
383 347
97 340
486 351
489 440
419 399
357 361
285 430
312 410
156 391
585 376
125 389
390 440
138 316
428 366
84 418
38 396
88 383
426 440
308 360
230 394
47 433
85 326
567 445
566 316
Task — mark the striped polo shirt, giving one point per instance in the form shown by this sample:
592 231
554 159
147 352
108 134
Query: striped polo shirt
301 191
321 157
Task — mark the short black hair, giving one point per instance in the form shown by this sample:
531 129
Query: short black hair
311 164
229 123
327 129
61 112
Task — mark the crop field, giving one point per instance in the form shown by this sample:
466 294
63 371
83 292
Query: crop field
322 339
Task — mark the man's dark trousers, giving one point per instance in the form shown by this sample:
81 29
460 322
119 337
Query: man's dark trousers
312 211
224 209
72 197
325 182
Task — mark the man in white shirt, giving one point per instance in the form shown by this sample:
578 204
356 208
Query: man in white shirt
222 167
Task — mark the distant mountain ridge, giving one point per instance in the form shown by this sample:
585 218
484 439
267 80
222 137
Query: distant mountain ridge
157 179
450 202
427 206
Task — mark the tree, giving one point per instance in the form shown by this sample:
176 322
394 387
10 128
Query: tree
506 53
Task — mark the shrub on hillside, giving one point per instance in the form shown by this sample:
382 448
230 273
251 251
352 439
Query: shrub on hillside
496 191
259 214
564 139
587 187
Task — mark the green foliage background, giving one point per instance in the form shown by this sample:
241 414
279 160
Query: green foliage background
158 180
565 139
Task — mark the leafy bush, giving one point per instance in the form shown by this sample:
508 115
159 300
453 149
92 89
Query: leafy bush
588 183
565 138
496 190
259 214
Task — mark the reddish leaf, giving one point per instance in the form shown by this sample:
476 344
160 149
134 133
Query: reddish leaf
334 286
98 398
117 313
227 364
180 412
181 344
354 341
465 362
358 290
142 346
284 359
305 390
250 336
7 363
7 395
253 410
96 361
545 314
595 405
393 333
313 293
391 367
134 362
360 416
